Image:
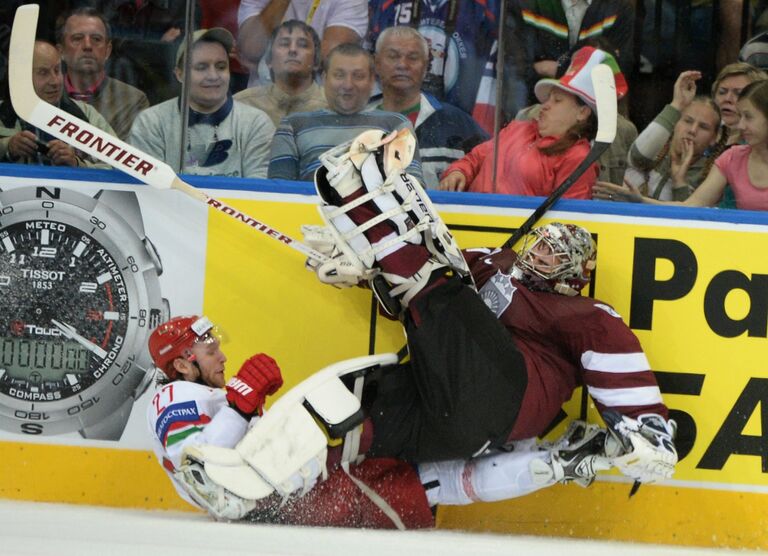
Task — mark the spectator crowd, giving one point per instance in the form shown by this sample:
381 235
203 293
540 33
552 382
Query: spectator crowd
270 85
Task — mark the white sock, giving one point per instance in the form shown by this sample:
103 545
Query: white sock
498 476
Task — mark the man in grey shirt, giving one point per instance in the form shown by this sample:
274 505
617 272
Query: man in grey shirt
224 137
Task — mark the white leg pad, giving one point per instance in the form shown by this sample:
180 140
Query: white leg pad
227 468
287 446
403 203
281 448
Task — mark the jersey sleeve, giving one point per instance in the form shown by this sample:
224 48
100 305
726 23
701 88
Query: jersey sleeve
284 155
249 8
614 367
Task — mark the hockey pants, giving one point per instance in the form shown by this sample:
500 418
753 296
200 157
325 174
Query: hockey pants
462 388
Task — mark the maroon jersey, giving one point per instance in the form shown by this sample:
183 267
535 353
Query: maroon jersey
566 342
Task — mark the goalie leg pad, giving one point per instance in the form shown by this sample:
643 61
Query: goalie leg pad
399 197
404 207
287 446
287 449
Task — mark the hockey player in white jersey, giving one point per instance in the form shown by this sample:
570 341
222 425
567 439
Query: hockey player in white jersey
201 423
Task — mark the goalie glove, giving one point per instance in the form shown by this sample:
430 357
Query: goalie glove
643 448
340 271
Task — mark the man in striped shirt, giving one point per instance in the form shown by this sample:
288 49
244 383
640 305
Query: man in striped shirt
302 137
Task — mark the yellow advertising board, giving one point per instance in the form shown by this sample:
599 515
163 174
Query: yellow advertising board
694 288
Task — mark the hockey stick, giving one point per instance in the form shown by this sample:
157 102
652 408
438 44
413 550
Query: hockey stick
607 113
100 144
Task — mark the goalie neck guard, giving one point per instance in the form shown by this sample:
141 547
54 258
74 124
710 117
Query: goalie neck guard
175 338
558 258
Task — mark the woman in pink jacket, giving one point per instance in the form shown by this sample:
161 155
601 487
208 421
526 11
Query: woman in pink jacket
538 155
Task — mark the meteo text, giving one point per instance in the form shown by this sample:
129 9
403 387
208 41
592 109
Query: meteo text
105 144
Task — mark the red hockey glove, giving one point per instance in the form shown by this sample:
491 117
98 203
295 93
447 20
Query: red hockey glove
258 378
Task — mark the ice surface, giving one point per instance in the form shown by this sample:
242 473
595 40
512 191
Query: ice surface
28 528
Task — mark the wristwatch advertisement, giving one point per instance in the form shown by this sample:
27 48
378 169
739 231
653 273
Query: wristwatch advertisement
79 296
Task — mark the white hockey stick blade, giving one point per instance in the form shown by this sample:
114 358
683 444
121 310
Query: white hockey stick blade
64 126
99 144
605 99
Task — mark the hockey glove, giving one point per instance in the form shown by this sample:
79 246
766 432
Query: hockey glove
643 448
339 271
258 378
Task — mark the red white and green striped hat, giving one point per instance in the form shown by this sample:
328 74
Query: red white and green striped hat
577 79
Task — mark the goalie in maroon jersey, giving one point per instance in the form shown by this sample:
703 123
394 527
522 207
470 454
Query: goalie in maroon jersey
497 341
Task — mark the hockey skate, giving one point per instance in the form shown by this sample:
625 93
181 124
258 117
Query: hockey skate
575 457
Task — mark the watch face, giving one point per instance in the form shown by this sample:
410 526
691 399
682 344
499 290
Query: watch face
78 297
57 273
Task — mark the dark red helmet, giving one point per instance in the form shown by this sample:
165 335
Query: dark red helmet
175 338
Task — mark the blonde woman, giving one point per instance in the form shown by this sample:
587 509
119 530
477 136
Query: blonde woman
725 92
744 167
689 122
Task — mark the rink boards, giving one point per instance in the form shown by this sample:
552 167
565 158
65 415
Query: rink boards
693 285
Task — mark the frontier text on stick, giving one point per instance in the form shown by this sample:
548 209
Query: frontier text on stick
102 143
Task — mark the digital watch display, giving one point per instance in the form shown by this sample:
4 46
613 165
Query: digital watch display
38 362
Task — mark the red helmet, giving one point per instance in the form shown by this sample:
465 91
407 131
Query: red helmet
175 338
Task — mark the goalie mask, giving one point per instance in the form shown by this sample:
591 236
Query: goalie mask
176 338
557 258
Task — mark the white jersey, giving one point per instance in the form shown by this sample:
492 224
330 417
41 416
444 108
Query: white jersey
183 413
318 14
352 14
